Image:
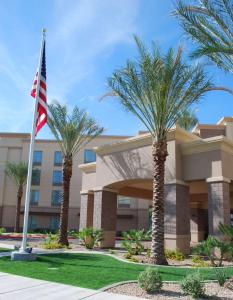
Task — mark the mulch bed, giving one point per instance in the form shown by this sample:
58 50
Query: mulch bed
171 291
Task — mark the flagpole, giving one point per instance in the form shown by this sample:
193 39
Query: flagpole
31 150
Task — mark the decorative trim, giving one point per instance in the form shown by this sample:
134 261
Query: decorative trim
177 181
100 189
143 140
88 168
86 192
218 179
220 143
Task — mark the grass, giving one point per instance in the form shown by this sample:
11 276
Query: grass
91 270
5 250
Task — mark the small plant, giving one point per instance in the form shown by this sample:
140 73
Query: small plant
209 247
221 276
133 241
193 286
90 237
174 255
229 284
199 262
2 230
150 280
51 242
127 255
148 252
134 259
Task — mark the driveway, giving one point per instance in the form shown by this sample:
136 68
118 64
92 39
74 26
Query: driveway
14 287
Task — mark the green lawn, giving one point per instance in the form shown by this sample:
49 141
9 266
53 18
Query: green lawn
5 250
90 270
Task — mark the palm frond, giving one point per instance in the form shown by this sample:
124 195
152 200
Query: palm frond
17 172
209 23
158 88
72 131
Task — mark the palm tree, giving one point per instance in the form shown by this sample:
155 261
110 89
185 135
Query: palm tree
188 120
72 132
18 173
209 23
157 89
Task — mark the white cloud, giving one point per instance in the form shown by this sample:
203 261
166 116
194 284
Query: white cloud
85 31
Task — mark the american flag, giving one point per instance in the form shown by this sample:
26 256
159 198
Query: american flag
42 100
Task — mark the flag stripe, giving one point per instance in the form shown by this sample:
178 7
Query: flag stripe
42 99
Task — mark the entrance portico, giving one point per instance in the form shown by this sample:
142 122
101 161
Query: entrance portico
197 185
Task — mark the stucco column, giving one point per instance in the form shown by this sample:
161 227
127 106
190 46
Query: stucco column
86 210
105 215
177 217
218 204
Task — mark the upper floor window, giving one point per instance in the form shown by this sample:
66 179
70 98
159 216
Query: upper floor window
37 158
124 202
57 158
34 197
36 177
57 177
56 198
89 156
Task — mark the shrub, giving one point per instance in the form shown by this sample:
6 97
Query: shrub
51 242
192 285
174 255
133 241
221 276
90 237
209 247
200 263
150 280
2 230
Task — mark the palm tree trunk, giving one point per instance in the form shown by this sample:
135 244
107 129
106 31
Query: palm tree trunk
18 207
159 153
64 215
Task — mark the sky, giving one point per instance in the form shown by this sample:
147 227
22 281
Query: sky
86 41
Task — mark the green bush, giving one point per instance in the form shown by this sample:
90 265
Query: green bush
210 246
132 241
193 286
2 230
150 280
200 263
174 255
51 242
90 237
221 276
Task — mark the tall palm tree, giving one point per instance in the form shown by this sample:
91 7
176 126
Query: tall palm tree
157 89
209 23
18 173
188 120
72 132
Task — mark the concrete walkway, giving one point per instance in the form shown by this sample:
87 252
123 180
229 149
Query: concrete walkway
14 287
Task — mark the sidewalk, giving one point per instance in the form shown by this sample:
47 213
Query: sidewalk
14 287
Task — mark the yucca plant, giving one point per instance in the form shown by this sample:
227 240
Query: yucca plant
158 89
72 132
18 173
209 23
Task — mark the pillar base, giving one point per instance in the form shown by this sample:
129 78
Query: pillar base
178 242
108 239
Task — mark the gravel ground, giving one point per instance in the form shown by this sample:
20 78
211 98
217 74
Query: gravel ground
171 291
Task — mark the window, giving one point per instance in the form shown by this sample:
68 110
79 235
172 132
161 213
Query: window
124 202
34 197
57 177
37 158
32 224
54 223
89 156
57 158
35 177
56 198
